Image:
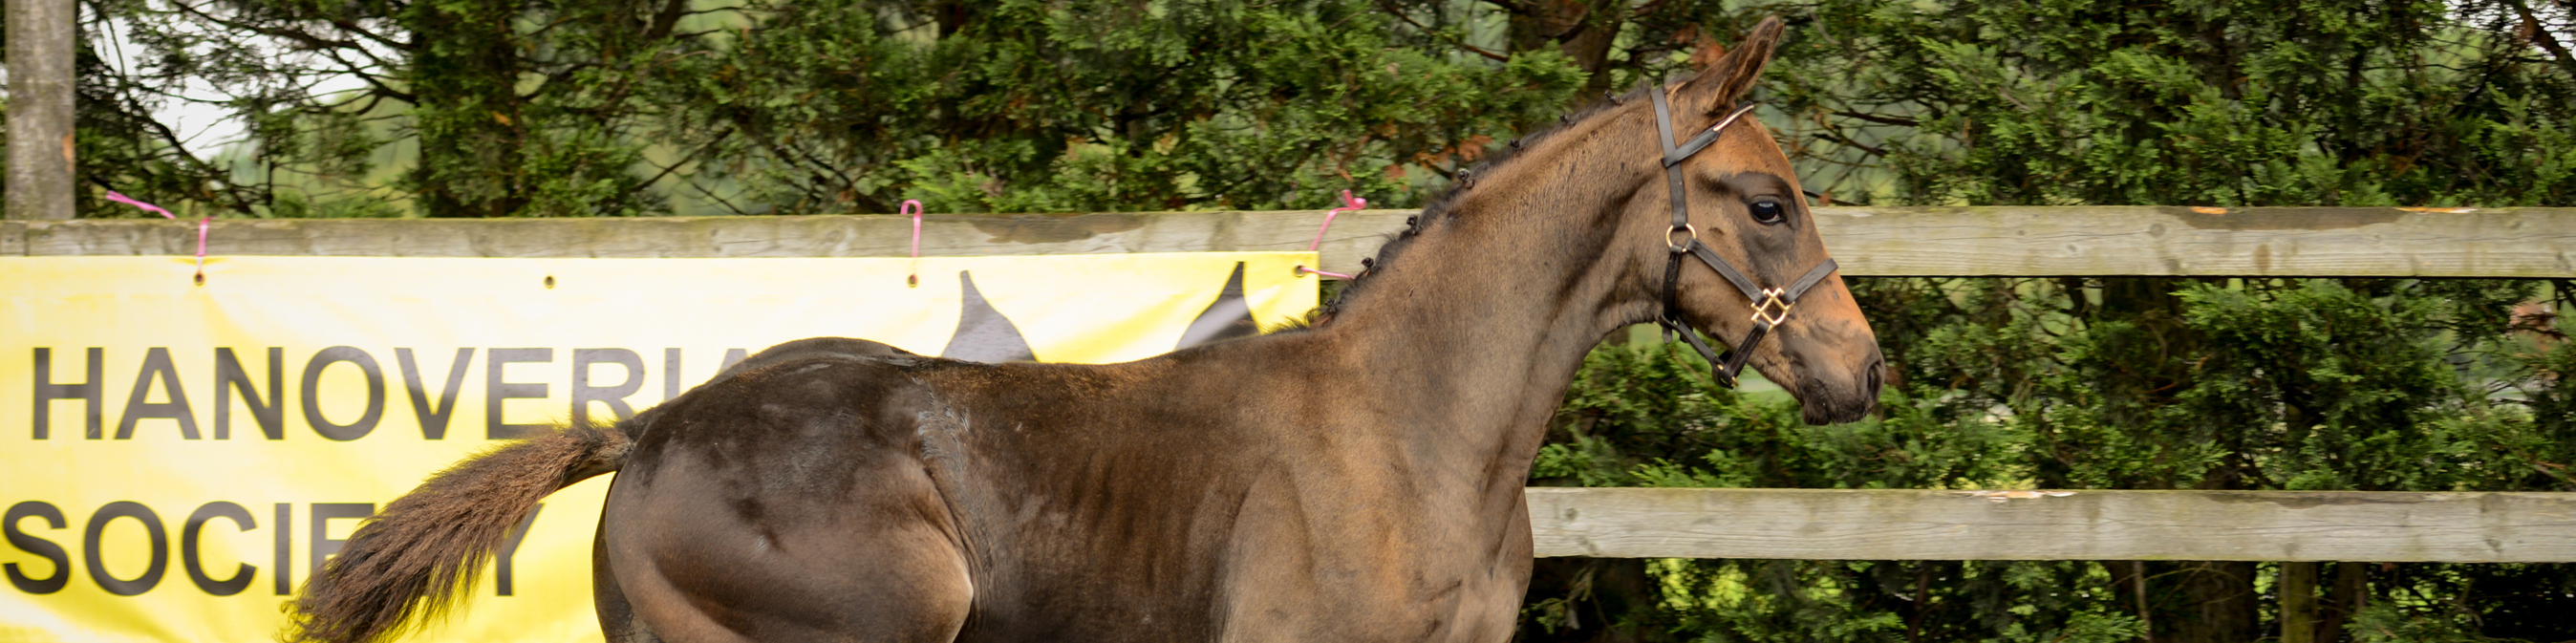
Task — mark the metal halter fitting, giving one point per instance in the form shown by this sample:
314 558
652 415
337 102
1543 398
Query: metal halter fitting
1770 305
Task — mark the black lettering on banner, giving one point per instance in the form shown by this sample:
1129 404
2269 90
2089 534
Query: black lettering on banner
670 373
283 579
325 512
501 562
42 548
269 411
47 391
190 560
614 396
496 391
156 366
375 393
732 356
97 561
433 418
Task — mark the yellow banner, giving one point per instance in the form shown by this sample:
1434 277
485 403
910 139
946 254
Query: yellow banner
175 458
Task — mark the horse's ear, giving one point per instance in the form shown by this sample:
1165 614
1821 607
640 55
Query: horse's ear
1720 84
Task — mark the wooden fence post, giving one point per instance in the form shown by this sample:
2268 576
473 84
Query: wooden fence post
40 109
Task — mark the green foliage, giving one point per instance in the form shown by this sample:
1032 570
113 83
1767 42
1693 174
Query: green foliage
2358 384
463 108
1647 416
482 108
2263 102
1085 105
1820 601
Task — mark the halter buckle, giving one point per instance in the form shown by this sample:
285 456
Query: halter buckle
1772 309
1689 232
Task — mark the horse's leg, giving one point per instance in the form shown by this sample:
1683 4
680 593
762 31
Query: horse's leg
616 618
696 560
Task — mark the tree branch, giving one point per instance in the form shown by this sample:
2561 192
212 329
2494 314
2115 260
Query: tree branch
1838 138
328 48
1452 40
702 190
2539 32
693 154
350 26
1882 120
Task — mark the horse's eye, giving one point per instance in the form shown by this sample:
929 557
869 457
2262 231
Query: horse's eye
1769 211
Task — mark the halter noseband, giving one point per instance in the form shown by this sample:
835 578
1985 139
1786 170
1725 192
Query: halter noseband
1770 305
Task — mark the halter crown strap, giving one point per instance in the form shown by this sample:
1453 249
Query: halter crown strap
1770 306
1674 155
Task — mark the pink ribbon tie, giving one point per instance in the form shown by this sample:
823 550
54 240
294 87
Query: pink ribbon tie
1348 203
202 225
912 207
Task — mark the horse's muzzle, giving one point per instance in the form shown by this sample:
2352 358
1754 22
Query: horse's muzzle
1848 398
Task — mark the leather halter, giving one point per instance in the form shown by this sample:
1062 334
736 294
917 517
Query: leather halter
1770 305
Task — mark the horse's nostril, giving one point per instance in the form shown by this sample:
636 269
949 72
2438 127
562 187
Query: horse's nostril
1877 369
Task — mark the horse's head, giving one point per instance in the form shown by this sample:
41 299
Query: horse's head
1744 206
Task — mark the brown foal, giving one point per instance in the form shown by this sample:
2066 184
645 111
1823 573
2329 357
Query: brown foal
1356 480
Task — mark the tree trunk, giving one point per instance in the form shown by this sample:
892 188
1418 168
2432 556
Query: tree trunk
956 15
2344 599
2218 603
472 126
2190 601
1583 29
1604 598
2129 583
2298 602
40 109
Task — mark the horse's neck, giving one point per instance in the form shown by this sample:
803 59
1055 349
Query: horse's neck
1472 335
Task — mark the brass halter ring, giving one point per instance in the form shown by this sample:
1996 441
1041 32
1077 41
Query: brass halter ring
1682 243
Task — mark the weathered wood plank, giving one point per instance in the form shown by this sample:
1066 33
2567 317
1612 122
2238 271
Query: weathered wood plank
2359 242
2001 241
2083 525
1354 235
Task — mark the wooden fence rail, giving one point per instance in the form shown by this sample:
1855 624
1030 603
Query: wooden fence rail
1982 241
1910 524
1705 523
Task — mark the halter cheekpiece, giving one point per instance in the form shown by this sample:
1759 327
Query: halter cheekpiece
1770 305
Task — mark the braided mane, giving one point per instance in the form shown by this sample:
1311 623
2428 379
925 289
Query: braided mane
1442 209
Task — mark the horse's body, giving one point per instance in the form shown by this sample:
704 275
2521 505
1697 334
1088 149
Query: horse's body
1059 503
1360 480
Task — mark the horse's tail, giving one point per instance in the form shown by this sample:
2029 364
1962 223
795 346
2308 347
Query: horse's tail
408 563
